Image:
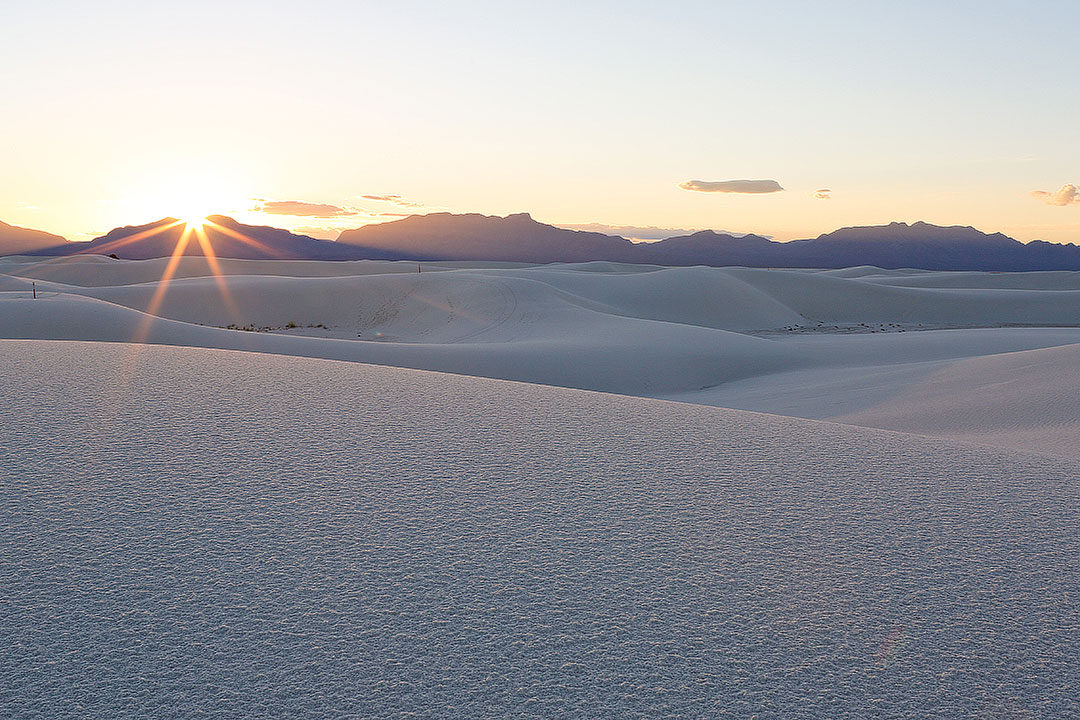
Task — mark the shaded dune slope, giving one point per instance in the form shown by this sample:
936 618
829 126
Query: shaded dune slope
220 532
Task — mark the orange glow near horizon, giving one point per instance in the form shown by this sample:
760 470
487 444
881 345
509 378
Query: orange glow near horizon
239 236
166 276
114 244
196 227
215 268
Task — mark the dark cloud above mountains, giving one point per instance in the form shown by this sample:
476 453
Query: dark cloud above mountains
303 209
751 187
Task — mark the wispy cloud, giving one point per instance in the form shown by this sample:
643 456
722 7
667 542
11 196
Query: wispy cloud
329 226
396 200
822 194
752 187
636 233
302 209
633 232
1066 195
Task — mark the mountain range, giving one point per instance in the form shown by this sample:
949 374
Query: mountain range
226 237
18 240
519 238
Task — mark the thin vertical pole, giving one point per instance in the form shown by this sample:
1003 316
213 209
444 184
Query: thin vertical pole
33 286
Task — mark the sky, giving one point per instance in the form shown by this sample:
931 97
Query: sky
331 114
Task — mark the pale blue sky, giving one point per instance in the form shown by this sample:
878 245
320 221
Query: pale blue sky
951 112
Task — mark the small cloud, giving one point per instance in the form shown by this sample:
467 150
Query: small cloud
302 209
1066 195
397 200
822 194
753 187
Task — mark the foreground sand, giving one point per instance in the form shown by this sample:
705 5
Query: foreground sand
194 532
991 358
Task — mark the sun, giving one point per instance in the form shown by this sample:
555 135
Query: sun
192 207
193 221
192 212
192 192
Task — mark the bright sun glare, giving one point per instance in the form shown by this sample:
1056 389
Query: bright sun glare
191 208
193 213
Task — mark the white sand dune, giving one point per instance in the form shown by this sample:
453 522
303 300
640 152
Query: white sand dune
191 532
1050 280
194 530
99 271
609 353
1026 400
817 344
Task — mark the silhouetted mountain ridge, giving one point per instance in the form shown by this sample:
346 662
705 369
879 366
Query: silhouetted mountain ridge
717 248
929 247
471 236
519 238
227 238
16 240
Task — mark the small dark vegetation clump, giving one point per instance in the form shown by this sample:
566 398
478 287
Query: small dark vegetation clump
248 328
291 325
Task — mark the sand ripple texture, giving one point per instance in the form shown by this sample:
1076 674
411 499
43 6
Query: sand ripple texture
204 533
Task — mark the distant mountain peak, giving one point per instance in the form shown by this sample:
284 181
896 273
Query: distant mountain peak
471 236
